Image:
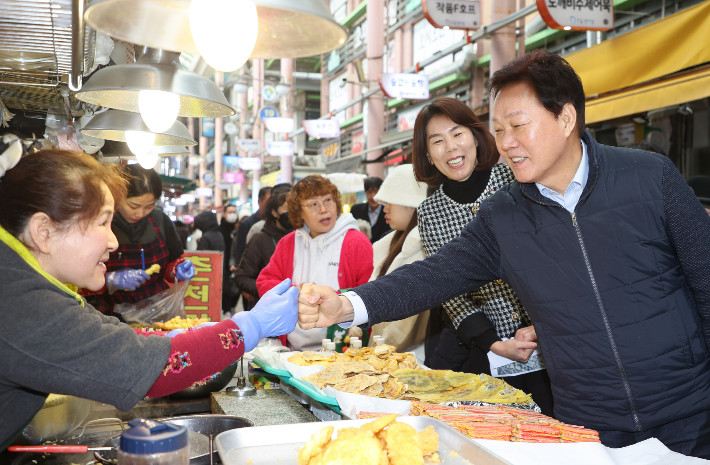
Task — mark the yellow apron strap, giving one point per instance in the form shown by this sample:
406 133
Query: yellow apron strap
27 256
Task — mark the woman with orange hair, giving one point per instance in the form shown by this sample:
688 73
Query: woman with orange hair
326 248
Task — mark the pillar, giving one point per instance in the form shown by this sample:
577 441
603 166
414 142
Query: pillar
407 45
243 119
203 163
287 112
218 141
376 102
502 41
258 131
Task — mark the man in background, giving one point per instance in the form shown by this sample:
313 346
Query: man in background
371 211
246 224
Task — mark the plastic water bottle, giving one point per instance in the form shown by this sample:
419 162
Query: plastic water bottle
324 344
330 347
149 442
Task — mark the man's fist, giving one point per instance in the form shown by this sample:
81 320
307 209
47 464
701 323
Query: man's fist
321 306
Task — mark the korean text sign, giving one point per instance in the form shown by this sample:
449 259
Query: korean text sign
322 128
460 14
577 15
405 85
204 293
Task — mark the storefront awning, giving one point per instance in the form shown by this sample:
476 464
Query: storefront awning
667 46
672 91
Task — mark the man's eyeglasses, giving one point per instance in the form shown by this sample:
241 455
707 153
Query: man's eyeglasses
316 206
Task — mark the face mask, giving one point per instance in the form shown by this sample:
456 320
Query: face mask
231 217
284 221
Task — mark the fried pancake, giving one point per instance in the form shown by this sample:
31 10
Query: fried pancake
314 446
403 445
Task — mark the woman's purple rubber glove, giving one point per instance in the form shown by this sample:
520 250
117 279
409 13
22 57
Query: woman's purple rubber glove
275 314
185 271
125 280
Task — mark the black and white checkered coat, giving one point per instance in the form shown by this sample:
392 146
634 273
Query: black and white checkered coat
441 220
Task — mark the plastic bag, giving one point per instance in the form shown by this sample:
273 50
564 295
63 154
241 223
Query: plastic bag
163 306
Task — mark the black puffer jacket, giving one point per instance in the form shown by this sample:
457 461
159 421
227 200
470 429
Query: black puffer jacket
256 256
618 291
211 236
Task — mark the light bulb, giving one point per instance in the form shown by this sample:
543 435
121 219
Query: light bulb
148 160
224 31
159 109
140 142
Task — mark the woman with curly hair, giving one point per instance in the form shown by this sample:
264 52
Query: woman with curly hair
326 248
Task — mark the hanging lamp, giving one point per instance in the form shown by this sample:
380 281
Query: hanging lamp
119 86
114 124
287 28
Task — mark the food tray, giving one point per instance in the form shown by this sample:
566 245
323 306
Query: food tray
279 444
308 389
270 369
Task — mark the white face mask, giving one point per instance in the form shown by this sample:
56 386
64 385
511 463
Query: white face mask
231 217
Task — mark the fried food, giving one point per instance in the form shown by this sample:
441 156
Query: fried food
181 323
153 269
380 442
314 446
355 384
403 445
310 357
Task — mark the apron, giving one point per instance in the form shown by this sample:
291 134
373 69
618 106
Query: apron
129 256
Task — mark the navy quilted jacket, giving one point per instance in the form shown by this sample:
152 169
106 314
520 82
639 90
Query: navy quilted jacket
618 291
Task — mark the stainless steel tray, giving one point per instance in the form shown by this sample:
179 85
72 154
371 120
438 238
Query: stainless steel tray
279 444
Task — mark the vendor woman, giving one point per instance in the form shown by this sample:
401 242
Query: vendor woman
146 237
56 209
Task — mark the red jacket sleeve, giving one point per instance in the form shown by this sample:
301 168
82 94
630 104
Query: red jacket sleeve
196 355
356 260
280 266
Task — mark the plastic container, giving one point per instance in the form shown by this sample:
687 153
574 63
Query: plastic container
356 344
324 343
330 347
149 442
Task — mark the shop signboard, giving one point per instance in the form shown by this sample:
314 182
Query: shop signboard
577 15
338 96
230 128
231 160
461 14
357 143
207 127
208 176
250 145
405 85
429 41
203 298
322 128
280 148
331 151
204 192
269 93
233 177
279 125
406 119
268 112
250 164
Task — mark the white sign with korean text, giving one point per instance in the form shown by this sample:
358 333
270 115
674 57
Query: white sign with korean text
460 14
406 86
250 145
577 15
322 128
279 125
429 41
280 148
250 164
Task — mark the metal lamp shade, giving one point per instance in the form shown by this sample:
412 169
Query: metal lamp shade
287 28
118 86
114 149
113 124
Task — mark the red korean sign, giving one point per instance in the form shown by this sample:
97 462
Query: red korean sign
204 293
459 14
577 15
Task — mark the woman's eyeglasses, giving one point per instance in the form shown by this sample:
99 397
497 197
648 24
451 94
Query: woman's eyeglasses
316 206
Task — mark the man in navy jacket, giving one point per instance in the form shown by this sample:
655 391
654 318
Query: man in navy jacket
607 248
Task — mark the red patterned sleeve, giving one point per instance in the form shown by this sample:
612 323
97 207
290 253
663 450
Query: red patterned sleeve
170 269
196 355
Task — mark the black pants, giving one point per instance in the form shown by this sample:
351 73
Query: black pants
689 436
538 385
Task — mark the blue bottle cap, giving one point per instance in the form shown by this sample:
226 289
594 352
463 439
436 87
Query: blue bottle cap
152 437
